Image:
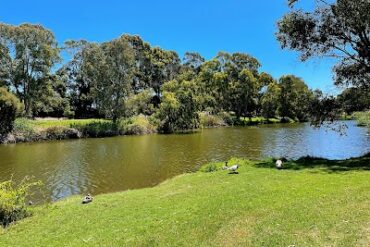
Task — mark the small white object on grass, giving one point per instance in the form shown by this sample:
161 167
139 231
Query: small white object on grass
233 168
87 199
279 164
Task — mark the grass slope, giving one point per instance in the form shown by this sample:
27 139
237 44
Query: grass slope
312 203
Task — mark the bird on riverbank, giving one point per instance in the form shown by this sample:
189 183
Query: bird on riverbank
87 199
232 169
279 164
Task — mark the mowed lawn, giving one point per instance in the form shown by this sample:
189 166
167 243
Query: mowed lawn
313 203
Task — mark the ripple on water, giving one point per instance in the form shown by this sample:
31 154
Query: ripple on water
112 164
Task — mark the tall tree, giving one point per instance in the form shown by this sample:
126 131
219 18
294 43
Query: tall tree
337 29
28 53
193 60
294 99
110 68
270 100
165 66
80 90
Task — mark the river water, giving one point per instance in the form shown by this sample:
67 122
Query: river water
105 165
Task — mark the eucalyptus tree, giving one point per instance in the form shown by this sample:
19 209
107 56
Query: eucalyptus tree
336 29
28 52
294 98
193 60
80 90
165 66
179 106
243 87
270 100
110 68
354 99
142 76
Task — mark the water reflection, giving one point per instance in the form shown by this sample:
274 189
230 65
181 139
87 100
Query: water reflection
120 163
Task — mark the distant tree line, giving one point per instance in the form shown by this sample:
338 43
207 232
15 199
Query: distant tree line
127 76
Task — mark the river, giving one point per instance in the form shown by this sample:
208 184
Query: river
105 165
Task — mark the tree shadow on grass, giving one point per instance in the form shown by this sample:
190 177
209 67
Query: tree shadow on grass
352 164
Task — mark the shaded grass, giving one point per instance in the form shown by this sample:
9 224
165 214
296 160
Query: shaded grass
360 163
257 207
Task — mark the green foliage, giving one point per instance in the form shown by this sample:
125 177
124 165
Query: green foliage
337 29
30 52
13 205
60 133
110 69
270 100
9 108
354 99
126 77
294 98
97 128
212 167
179 107
140 103
137 125
208 120
363 118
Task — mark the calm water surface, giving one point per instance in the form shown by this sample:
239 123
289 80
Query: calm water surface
121 163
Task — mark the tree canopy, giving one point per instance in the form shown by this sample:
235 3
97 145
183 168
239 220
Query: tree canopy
127 76
337 29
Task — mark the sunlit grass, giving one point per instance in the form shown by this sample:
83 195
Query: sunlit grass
363 118
46 123
309 204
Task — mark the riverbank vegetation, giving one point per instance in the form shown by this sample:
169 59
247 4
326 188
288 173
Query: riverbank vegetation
363 118
136 88
312 202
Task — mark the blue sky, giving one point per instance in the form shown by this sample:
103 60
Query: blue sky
206 26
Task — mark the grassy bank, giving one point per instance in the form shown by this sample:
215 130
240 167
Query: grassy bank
313 202
27 130
363 118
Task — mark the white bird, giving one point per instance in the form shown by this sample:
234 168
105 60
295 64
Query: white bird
233 168
279 164
88 198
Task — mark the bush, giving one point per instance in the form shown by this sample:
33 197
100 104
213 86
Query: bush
211 167
228 118
208 120
59 133
97 129
362 118
13 205
10 106
178 109
136 125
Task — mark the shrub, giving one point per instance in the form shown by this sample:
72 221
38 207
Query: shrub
10 106
59 133
208 120
13 205
363 118
97 129
136 125
211 167
228 118
178 109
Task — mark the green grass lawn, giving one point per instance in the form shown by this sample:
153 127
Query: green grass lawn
311 203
